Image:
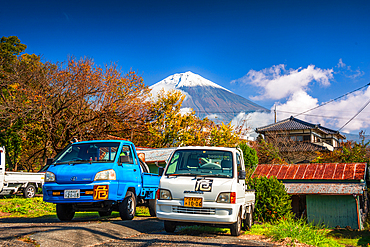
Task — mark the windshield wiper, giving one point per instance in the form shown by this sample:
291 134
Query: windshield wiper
214 175
60 163
182 174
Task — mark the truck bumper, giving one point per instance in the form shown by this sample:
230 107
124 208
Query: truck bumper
210 213
54 193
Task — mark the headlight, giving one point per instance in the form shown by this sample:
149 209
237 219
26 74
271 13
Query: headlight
227 197
49 177
106 175
163 194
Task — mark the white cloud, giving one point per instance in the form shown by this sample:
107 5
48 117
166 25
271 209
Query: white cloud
186 110
347 70
277 82
341 64
291 87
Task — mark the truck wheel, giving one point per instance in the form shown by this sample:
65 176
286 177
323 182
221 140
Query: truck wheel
65 212
236 227
105 213
169 226
128 207
248 222
29 191
152 207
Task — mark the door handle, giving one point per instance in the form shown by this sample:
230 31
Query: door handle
134 170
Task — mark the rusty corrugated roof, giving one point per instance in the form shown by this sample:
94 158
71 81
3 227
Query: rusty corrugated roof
156 155
325 188
325 171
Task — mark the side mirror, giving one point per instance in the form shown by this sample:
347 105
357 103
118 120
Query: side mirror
49 161
160 171
242 174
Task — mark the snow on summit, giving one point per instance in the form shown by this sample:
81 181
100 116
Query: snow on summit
187 79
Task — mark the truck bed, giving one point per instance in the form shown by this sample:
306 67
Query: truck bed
23 177
250 196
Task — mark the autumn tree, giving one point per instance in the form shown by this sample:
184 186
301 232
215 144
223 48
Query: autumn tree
76 99
170 127
350 152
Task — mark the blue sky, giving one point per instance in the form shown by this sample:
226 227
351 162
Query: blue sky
294 54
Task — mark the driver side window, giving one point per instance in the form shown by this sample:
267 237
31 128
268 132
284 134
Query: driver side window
126 155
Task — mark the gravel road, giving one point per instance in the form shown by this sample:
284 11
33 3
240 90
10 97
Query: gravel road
142 231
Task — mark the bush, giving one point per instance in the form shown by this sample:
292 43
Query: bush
250 156
272 201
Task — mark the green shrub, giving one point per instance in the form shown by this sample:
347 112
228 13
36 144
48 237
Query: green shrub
250 156
272 201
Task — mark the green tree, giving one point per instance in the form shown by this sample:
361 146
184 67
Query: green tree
272 201
250 156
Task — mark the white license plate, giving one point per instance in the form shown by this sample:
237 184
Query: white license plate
72 194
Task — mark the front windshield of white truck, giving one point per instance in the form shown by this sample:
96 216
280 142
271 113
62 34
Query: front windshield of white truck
89 152
201 163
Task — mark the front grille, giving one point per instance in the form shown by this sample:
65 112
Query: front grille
192 210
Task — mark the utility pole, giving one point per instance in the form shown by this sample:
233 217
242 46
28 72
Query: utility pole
275 113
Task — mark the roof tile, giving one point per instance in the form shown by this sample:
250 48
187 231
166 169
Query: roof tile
314 171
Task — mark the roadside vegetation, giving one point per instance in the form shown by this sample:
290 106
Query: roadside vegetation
16 206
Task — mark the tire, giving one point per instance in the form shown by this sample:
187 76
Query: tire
127 208
248 222
152 207
65 212
169 226
29 191
237 226
105 213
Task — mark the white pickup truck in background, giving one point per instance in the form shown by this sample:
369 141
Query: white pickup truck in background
13 182
205 186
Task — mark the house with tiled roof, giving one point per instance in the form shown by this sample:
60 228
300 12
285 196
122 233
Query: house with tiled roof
295 135
334 193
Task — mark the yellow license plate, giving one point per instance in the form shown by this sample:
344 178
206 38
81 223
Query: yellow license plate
193 202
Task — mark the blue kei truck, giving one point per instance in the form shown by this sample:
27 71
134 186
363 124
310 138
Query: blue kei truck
102 176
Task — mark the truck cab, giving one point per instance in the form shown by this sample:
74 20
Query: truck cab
101 175
205 186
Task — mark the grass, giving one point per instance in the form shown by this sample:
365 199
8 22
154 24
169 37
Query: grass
197 230
22 207
16 206
298 230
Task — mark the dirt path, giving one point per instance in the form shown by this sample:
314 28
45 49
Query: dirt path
142 231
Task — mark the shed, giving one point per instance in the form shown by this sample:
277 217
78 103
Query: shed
154 157
332 193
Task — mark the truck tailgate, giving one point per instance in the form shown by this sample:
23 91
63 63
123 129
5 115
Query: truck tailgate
150 180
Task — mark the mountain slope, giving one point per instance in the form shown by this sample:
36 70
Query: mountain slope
207 98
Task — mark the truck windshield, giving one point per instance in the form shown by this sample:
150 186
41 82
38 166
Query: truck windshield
201 163
89 152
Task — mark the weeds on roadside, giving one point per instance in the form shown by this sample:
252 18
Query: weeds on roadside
30 207
302 232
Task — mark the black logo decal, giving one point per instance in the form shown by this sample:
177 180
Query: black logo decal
204 185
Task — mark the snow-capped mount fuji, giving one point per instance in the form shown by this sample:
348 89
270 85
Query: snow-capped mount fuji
207 98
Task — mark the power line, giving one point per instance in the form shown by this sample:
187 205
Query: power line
332 100
355 115
313 115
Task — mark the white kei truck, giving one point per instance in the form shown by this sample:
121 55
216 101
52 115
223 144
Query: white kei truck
13 182
205 186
